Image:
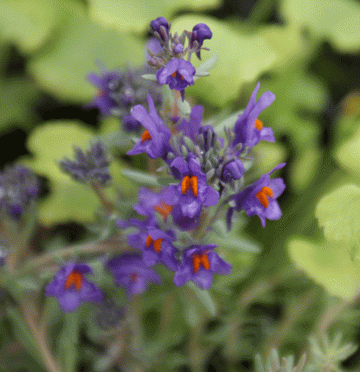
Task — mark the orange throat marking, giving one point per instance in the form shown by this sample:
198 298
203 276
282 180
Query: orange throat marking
263 195
163 209
75 278
189 182
156 243
133 277
258 124
200 259
174 75
146 136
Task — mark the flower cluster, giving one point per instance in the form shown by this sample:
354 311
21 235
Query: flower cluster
89 166
120 90
173 58
206 176
19 187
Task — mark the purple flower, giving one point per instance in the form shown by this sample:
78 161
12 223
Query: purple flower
191 128
184 222
192 192
131 273
249 130
260 198
200 32
155 140
91 165
161 26
178 74
156 246
199 265
19 187
232 170
71 288
130 124
106 83
150 201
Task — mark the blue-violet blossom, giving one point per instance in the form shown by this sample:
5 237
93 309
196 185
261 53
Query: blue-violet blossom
131 273
158 24
103 101
156 246
260 198
199 264
249 130
155 140
178 74
200 32
192 192
71 288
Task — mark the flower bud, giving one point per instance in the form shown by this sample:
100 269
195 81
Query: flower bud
232 170
156 25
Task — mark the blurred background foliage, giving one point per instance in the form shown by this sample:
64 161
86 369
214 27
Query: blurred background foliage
296 278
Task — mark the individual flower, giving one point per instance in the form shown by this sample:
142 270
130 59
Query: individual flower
199 264
232 170
130 124
260 198
178 74
192 192
200 32
184 222
131 273
91 165
121 90
162 27
249 130
155 140
19 187
191 127
71 287
107 83
150 202
156 246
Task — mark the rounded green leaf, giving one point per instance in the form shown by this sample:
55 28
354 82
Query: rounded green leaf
339 214
328 265
127 15
17 98
242 58
334 20
348 154
305 168
295 90
62 66
27 24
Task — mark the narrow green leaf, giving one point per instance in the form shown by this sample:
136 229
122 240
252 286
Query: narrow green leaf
69 341
23 334
151 77
205 298
140 177
183 106
207 65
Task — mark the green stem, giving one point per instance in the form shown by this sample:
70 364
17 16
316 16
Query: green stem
109 206
117 244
